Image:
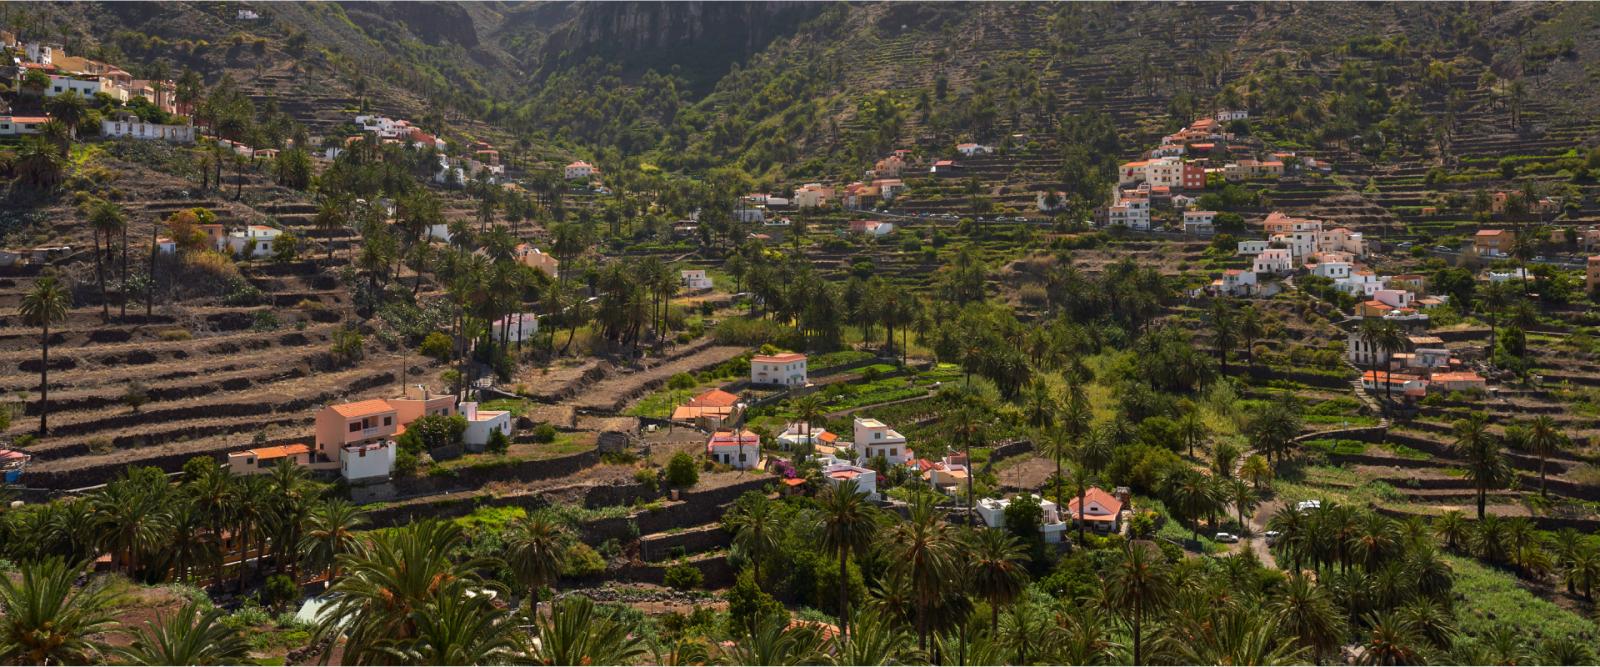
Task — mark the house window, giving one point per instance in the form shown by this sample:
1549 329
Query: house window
894 451
355 427
388 421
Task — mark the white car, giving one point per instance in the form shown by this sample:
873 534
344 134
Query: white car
1272 537
1308 505
1227 538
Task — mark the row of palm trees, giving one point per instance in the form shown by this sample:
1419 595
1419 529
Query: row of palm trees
210 528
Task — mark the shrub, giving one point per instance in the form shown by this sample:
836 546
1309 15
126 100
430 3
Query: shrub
436 346
583 561
279 591
681 471
647 478
544 434
681 381
348 347
684 577
432 432
498 442
101 445
136 396
175 335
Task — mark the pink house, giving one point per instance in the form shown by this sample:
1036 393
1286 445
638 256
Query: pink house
359 437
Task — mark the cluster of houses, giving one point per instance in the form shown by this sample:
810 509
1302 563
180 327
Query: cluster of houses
1295 244
1102 512
1424 365
1172 175
358 439
88 78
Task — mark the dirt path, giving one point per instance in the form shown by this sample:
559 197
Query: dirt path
1257 540
610 394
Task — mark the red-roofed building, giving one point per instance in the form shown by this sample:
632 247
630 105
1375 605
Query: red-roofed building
1102 510
741 449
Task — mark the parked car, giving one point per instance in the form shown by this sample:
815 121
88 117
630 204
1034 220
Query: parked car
1227 538
1308 505
1272 537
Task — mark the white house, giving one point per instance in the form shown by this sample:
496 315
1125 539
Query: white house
787 369
1248 248
1229 115
993 512
969 149
247 15
695 280
1050 202
1200 222
579 170
1235 282
1102 510
799 433
516 327
42 53
131 127
1332 270
1133 213
837 472
1274 260
871 227
20 125
1394 298
1507 275
61 84
367 462
1363 354
812 195
481 424
874 439
1360 283
254 240
740 449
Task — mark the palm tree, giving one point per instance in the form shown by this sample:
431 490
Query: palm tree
1293 534
846 522
922 548
576 635
189 637
396 573
1384 338
809 409
1305 611
875 641
1256 469
995 566
1545 440
1584 570
1225 334
1251 329
1244 499
106 219
1139 586
1453 528
330 532
1082 636
44 620
1481 456
1192 429
71 110
776 641
1235 636
536 550
45 304
756 529
1392 640
458 628
132 516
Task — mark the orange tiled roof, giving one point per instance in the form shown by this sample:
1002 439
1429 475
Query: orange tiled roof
363 408
285 451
